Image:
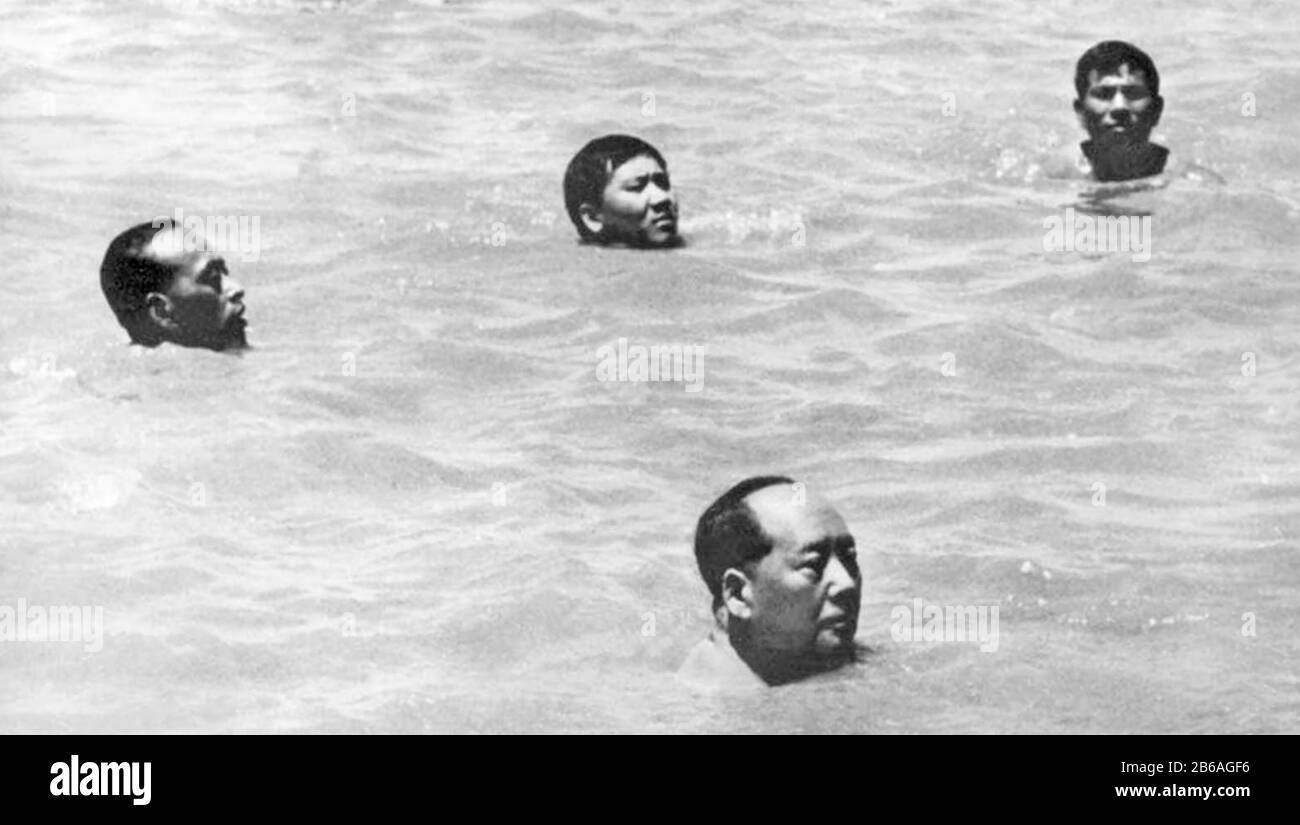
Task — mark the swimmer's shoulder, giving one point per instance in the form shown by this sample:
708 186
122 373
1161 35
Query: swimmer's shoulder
713 665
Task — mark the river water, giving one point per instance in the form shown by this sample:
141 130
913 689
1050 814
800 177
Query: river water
414 507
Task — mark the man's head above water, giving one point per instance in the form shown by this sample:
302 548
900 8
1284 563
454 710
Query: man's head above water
616 191
782 569
1118 103
164 285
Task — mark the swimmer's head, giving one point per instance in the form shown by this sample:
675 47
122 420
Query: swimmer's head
782 568
616 190
166 285
1118 93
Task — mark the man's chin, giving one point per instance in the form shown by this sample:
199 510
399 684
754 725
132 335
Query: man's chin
230 339
1119 139
835 642
235 340
658 237
825 657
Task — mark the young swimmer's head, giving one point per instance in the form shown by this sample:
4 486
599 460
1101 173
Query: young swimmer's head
616 190
161 288
1118 93
782 568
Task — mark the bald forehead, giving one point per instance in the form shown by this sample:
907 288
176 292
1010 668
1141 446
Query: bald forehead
174 244
795 516
168 242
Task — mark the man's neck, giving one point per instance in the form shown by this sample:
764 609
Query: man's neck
775 669
1112 162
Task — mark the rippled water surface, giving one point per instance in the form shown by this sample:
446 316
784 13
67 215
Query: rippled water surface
414 507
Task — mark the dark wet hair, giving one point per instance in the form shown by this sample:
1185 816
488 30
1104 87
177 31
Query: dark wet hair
1107 57
729 535
590 170
127 276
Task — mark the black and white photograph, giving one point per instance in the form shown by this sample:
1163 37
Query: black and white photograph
526 367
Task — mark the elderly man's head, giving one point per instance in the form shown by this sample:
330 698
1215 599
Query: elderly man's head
782 568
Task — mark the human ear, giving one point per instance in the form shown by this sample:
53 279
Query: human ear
591 218
737 593
159 309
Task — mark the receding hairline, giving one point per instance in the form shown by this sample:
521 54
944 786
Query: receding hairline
813 502
728 531
171 254
130 272
138 242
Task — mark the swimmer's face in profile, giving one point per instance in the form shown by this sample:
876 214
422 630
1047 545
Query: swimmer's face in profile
1118 106
801 600
203 306
167 285
637 206
616 191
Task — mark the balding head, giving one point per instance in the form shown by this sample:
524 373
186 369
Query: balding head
782 568
728 534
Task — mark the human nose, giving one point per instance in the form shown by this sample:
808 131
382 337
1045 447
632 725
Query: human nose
659 196
233 289
840 578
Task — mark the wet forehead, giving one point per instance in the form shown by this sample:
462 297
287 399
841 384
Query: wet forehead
175 246
1123 76
793 520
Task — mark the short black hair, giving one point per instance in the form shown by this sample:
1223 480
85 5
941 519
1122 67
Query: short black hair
127 275
1107 56
590 170
729 535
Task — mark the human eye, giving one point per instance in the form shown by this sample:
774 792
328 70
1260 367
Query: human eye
812 566
850 559
637 183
